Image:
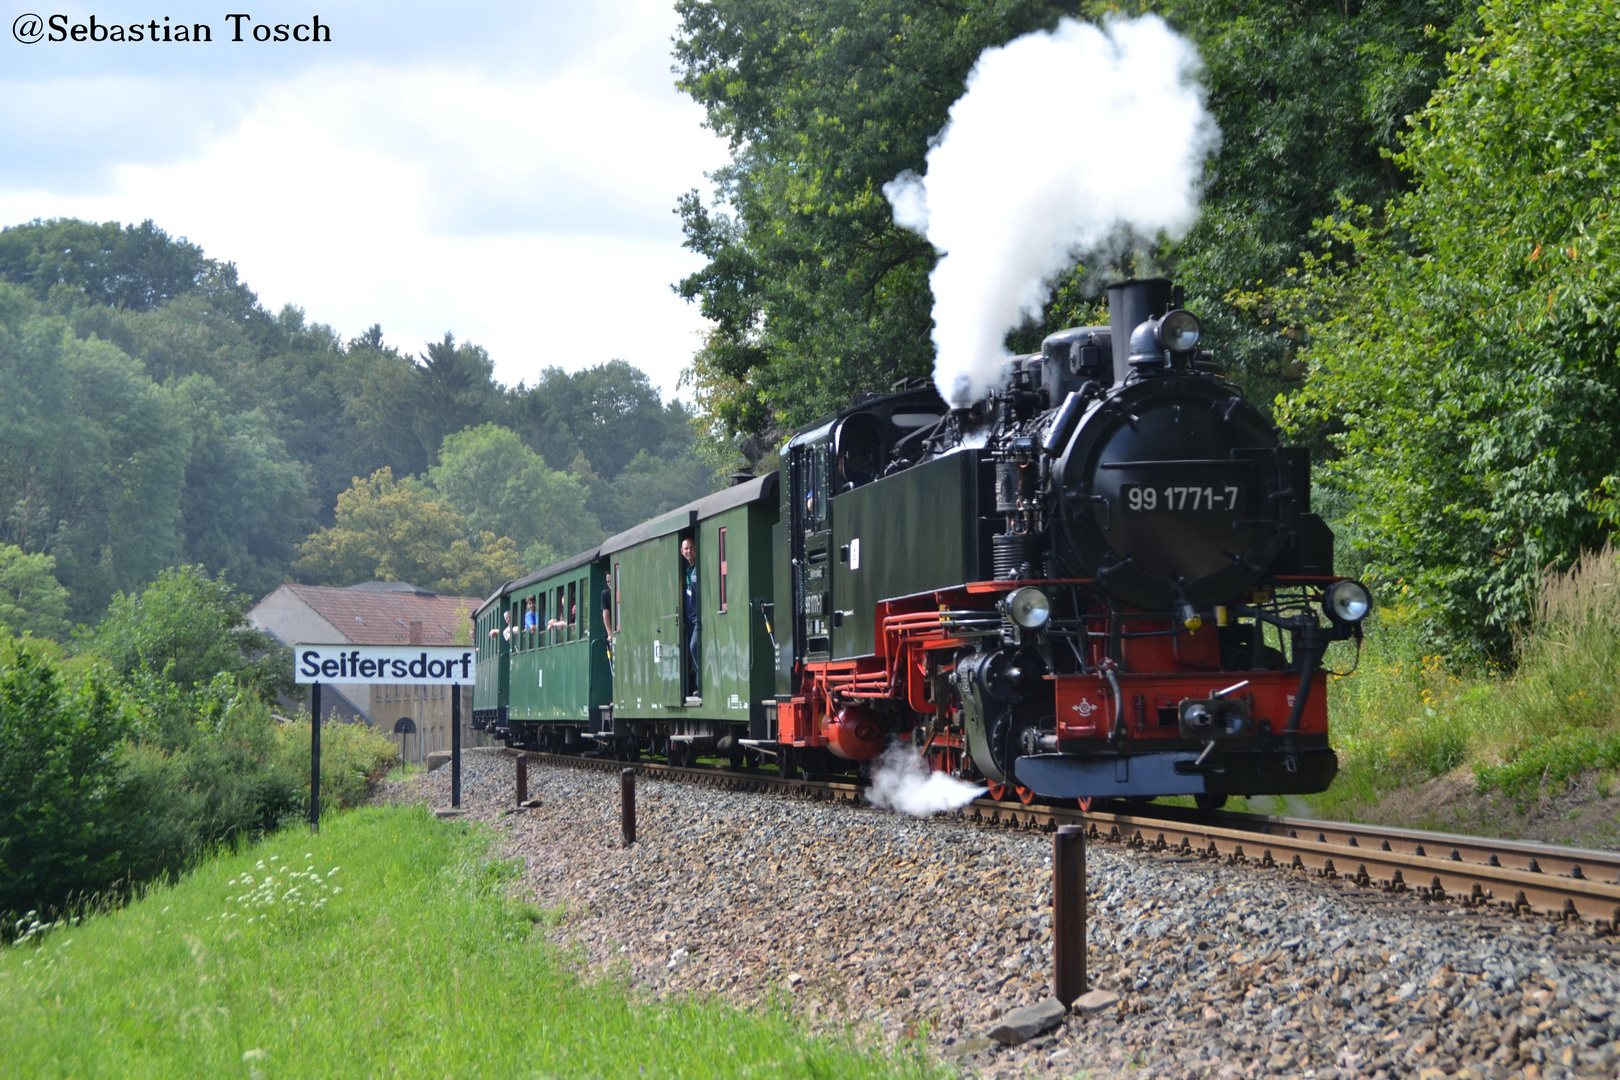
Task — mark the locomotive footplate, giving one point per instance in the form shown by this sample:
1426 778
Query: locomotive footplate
1176 772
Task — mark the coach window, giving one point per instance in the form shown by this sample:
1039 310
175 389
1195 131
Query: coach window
571 612
722 546
615 598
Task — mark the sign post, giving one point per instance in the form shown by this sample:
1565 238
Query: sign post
455 745
369 665
314 757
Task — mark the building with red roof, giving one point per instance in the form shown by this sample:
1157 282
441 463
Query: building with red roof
379 613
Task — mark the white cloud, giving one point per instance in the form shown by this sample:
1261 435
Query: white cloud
527 211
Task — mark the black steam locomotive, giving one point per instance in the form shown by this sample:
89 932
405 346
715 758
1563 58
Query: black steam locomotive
1102 580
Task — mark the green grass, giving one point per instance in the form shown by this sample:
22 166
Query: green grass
400 954
1406 716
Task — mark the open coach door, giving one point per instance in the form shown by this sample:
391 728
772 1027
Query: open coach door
668 577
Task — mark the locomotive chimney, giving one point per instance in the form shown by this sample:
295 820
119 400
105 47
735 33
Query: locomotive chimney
1130 304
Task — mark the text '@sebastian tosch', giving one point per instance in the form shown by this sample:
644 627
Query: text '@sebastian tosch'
237 26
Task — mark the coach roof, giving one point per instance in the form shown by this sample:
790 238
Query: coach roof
762 489
573 562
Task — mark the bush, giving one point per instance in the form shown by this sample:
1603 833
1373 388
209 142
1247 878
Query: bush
354 757
108 783
62 782
185 629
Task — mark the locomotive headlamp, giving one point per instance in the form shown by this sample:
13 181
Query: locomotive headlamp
1028 607
1179 331
1348 601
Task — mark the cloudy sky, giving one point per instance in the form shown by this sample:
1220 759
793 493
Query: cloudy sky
507 175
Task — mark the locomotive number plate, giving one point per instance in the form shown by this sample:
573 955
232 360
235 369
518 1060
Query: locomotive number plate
1217 498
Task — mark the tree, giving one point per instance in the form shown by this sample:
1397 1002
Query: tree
650 485
815 292
816 295
32 601
92 456
309 381
244 507
1310 100
390 530
133 267
500 486
189 628
405 408
609 413
1462 344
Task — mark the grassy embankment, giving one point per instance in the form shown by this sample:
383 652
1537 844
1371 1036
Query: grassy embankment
385 946
1512 741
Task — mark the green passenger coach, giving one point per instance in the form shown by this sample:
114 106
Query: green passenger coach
553 663
661 699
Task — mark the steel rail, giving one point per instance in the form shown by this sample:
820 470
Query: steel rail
1543 879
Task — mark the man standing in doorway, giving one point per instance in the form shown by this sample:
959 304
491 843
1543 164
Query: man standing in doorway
689 553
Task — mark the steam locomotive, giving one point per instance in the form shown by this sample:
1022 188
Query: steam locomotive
1103 580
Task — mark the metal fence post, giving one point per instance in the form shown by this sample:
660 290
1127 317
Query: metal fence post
627 805
522 779
1069 914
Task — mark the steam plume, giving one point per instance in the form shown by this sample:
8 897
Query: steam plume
1060 141
902 782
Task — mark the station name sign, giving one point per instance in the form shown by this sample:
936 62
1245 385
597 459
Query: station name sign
433 665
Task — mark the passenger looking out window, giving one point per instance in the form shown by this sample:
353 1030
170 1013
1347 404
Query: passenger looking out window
690 578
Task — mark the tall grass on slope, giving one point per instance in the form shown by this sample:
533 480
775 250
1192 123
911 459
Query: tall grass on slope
1406 716
384 947
1559 714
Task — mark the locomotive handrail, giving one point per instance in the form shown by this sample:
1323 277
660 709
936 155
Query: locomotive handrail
1247 463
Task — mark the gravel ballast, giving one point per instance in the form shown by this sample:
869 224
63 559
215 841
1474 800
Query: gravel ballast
937 928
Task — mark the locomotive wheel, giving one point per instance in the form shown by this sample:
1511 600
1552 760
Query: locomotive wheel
998 791
1025 795
1209 803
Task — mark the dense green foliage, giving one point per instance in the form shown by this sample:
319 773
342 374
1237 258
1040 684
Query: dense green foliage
605 426
62 786
395 956
817 295
153 415
1310 99
154 745
32 601
1462 343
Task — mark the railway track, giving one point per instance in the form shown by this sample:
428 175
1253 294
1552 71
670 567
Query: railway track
1521 877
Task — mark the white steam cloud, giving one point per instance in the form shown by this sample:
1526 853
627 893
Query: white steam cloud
902 782
1061 141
